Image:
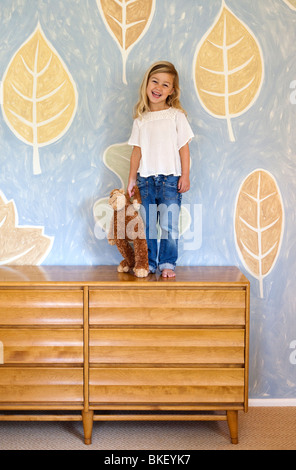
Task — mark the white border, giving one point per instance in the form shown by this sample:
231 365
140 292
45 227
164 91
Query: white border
272 402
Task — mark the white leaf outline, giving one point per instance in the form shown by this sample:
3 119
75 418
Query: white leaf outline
228 116
34 100
123 149
292 7
259 230
124 27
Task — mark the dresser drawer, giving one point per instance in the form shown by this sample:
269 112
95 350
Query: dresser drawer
167 346
41 307
41 385
28 346
166 386
167 307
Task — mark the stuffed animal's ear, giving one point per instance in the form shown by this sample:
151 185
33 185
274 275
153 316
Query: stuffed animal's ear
115 193
111 196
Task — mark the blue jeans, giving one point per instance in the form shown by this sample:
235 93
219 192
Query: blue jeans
161 204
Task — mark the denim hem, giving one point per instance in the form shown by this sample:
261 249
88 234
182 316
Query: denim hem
166 266
152 270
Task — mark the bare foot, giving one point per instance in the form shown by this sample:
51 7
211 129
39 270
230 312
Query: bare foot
168 273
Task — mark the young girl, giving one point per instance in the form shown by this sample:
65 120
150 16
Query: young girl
160 162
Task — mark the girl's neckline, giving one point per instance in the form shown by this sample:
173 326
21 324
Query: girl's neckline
161 110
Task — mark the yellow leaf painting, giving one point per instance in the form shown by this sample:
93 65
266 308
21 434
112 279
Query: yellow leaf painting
20 245
39 95
259 223
127 21
228 68
291 4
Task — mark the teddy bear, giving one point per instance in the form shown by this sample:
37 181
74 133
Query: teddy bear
127 226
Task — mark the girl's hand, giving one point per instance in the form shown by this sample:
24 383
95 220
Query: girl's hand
130 188
134 165
184 181
183 184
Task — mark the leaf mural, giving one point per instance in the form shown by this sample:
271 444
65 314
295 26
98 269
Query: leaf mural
259 224
117 159
127 21
291 4
228 68
39 95
20 245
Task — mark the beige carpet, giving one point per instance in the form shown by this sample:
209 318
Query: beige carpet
260 429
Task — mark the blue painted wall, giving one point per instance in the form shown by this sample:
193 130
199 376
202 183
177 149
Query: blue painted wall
74 176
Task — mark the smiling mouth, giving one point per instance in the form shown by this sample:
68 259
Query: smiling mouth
156 95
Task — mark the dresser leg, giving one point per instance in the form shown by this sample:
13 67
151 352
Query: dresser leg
232 420
87 419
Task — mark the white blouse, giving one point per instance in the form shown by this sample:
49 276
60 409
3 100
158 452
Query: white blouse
161 134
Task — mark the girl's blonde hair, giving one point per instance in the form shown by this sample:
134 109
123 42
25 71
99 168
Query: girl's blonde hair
173 100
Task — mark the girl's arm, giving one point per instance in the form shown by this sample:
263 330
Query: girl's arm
184 181
134 166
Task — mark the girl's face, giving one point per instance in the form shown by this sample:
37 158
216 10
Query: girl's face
159 87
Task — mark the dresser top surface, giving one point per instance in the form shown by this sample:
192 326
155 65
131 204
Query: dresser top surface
101 276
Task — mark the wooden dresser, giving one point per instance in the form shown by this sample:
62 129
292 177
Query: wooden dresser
89 344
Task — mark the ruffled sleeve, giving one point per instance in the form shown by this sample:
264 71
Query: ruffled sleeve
135 135
184 131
